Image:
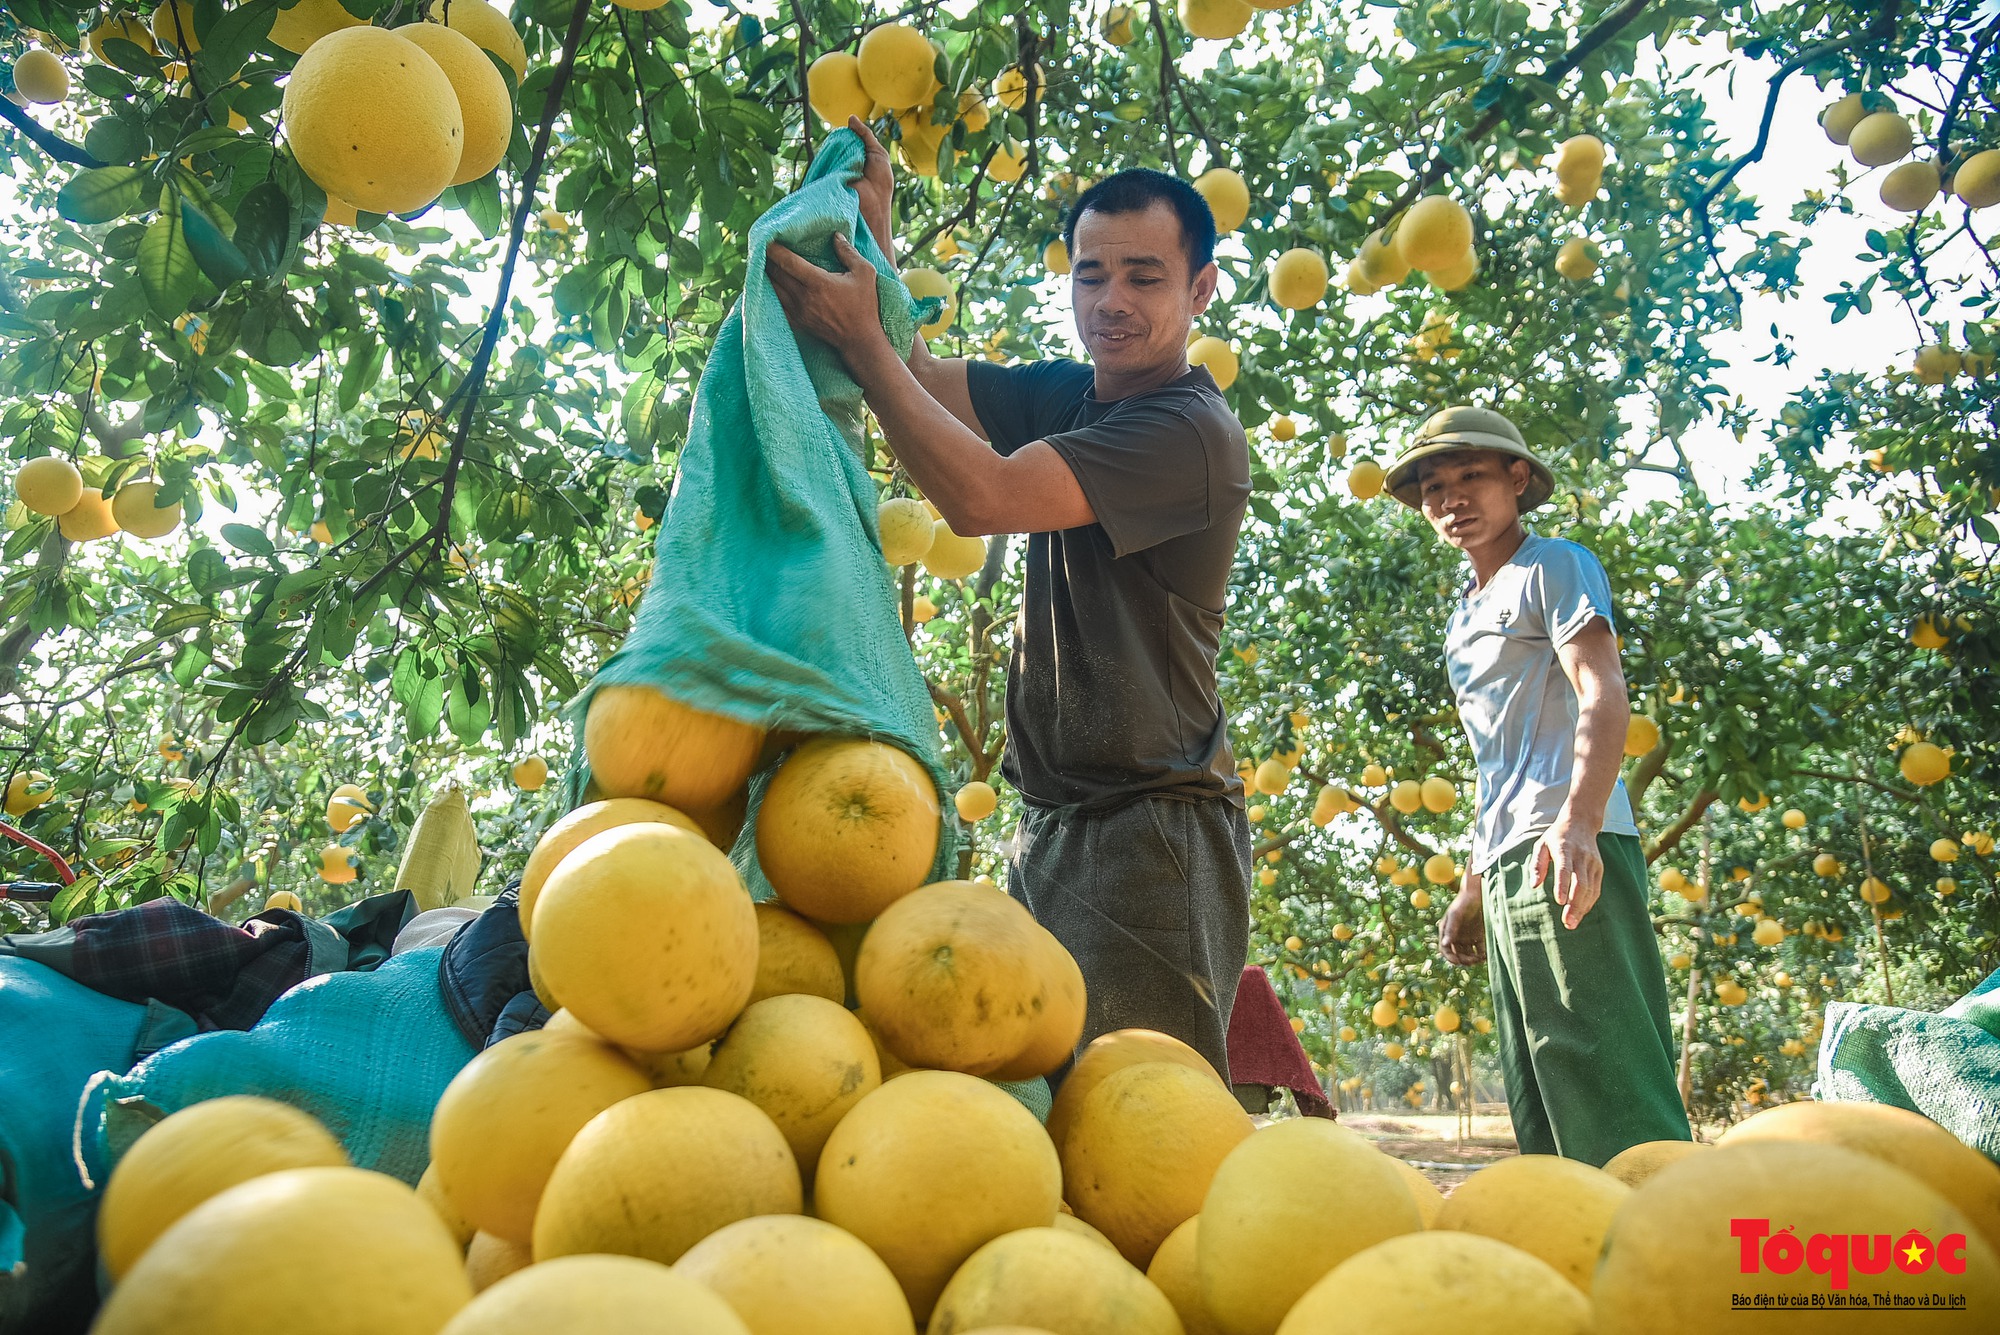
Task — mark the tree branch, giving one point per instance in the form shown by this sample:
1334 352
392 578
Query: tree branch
51 143
1601 32
1166 88
1671 837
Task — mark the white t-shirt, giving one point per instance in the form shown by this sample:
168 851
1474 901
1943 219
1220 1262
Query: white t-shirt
1516 705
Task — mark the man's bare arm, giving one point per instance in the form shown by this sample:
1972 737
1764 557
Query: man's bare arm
946 380
1590 661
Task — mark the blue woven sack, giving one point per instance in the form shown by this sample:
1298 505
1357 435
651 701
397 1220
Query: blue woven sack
59 1034
769 601
368 1054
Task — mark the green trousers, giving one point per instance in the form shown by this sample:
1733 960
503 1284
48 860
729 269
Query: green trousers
1585 1041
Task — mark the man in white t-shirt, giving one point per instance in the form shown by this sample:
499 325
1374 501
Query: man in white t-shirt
1555 891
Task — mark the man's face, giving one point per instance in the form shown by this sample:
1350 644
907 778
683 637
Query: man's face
1471 497
1135 300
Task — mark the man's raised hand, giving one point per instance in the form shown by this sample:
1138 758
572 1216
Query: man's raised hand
840 309
876 186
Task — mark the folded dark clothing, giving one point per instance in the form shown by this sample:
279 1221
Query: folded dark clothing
221 975
484 975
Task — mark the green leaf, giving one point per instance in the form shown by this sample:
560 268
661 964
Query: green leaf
115 139
102 194
247 539
235 35
481 201
264 228
215 253
166 265
182 616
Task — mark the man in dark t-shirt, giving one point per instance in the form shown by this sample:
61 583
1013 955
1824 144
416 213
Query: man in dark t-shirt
1130 476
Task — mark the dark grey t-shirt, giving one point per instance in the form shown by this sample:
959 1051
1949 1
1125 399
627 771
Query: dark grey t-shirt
1112 692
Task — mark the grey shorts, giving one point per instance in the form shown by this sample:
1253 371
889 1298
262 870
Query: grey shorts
1153 900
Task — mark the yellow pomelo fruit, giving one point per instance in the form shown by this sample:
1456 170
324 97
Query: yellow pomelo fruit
804 1060
931 1167
931 283
1911 187
1109 1054
1898 1137
1925 763
508 1115
1373 776
89 519
1826 864
1173 1273
1058 1026
1793 819
1580 157
1069 1223
1010 90
137 510
950 977
1641 735
642 744
1145 1144
287 1251
1944 850
1839 119
657 1173
490 1258
1119 26
1429 1200
905 526
1455 275
1382 260
606 1294
1439 869
484 102
1439 794
847 828
487 27
297 28
892 1065
50 485
1554 1208
1227 194
646 933
1217 356
1287 1206
833 86
198 1153
794 957
975 801
789 1275
41 77
895 64
1977 180
284 899
124 28
1047 1277
173 26
1436 233
1576 260
560 839
1635 1164
1272 777
529 775
1215 21
337 865
1671 1251
373 119
951 556
432 1192
1298 278
1407 796
1008 162
1430 1282
1880 139
1768 932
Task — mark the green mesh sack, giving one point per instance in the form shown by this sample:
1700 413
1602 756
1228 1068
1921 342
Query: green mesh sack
770 602
1944 1065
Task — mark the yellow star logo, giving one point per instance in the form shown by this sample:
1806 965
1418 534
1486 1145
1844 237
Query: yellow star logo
1915 1253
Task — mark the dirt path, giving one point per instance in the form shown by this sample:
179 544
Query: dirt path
1430 1141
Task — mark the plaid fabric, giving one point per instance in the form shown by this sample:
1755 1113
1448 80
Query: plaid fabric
224 975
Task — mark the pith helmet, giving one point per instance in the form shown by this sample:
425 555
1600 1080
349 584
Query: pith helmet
1465 427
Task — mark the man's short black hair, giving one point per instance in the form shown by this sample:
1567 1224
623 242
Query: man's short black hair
1137 189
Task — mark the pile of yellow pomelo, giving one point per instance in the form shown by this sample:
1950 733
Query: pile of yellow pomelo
786 1118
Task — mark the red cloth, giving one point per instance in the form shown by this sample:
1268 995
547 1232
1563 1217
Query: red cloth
1263 1050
